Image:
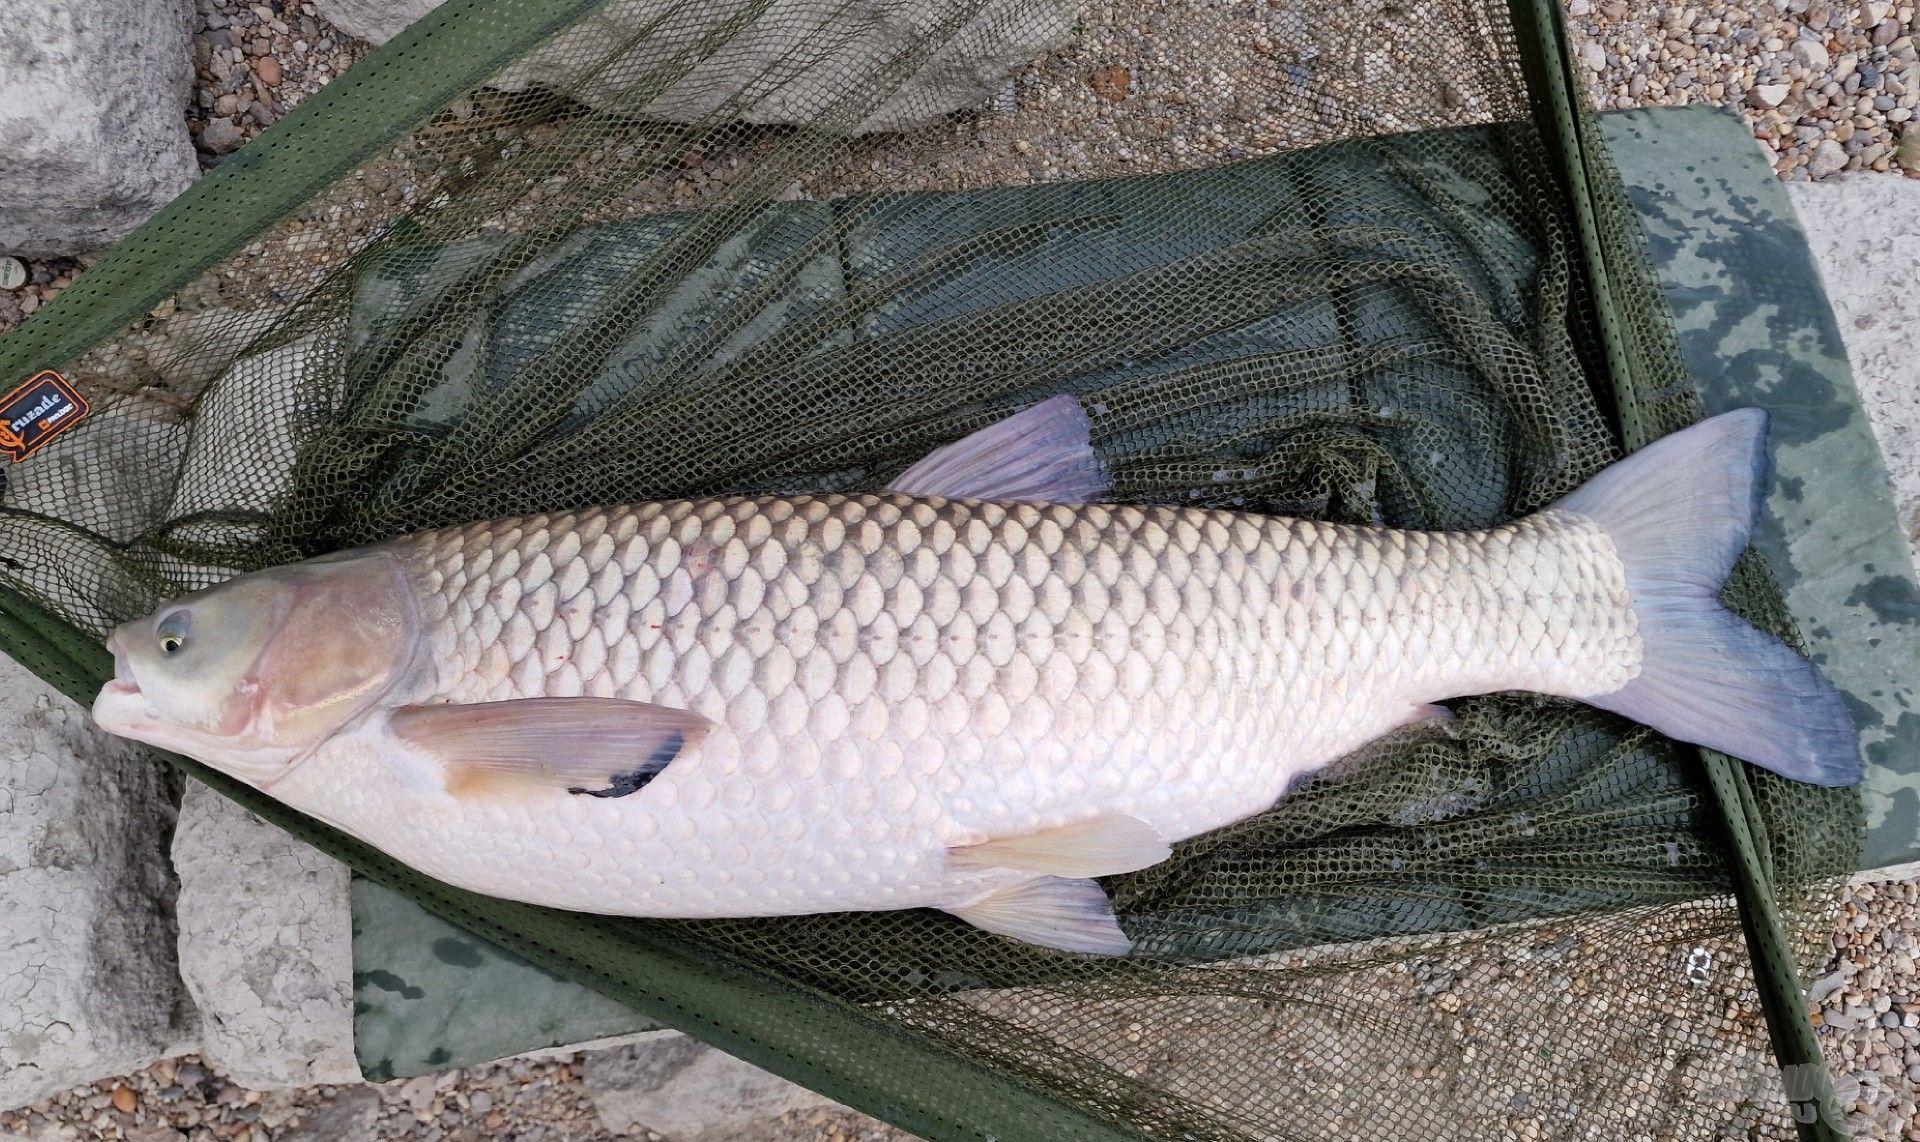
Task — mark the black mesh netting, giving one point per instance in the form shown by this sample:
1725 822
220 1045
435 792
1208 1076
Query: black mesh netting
1294 260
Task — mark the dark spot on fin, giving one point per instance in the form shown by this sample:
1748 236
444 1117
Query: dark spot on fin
634 780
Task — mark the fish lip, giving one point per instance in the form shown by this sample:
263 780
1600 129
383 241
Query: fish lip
122 710
125 681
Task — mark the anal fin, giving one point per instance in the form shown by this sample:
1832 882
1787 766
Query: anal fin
1053 912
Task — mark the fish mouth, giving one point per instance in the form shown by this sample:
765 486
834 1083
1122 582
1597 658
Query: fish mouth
121 707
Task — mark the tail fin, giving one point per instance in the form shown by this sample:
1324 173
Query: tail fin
1678 512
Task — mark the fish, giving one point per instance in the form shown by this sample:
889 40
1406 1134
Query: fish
978 691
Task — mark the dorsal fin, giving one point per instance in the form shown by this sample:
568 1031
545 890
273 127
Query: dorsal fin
1042 455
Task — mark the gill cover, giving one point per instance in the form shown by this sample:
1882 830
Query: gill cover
347 630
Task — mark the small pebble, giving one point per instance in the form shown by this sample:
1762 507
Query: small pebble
1806 72
1112 83
1811 54
418 1094
1828 158
222 136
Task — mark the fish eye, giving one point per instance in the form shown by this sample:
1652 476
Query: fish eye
172 631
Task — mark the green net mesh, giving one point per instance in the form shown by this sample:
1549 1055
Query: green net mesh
1313 262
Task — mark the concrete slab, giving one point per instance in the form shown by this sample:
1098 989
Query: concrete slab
1864 232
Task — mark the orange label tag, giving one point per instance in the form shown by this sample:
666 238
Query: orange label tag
32 415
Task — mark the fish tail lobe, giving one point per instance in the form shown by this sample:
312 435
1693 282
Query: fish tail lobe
1679 513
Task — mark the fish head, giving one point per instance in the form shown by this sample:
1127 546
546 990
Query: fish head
250 675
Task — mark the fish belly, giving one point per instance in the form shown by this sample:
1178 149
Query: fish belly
891 677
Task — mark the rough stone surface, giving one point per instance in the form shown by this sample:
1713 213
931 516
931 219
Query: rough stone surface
684 1089
265 947
1865 234
93 95
87 980
996 44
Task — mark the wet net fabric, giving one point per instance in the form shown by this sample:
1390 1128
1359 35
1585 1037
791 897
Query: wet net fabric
774 246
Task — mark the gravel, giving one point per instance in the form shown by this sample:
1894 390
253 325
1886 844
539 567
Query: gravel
1869 1018
46 277
185 1100
1829 87
1867 1010
1144 85
253 62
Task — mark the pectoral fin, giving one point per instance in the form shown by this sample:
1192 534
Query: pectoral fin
595 747
1104 845
1042 455
1072 915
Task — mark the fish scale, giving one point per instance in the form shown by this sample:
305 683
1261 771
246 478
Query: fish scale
889 677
